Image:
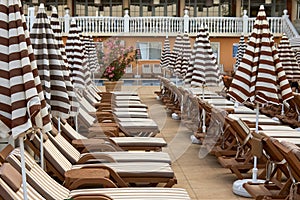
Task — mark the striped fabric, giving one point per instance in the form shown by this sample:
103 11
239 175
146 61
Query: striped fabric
186 54
288 59
203 68
75 56
240 52
178 62
260 77
50 65
22 101
66 71
176 48
165 54
85 65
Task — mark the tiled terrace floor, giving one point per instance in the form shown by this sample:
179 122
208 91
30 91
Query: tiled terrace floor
204 178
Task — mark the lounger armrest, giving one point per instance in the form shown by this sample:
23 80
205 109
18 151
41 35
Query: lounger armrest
5 152
91 182
113 175
90 196
100 148
92 156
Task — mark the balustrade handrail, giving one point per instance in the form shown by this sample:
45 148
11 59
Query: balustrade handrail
172 25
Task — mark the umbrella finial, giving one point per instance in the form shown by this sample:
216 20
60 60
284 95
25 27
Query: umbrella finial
42 5
54 9
261 7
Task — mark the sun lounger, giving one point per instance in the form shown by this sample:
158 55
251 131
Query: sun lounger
139 128
40 183
129 172
126 143
75 156
120 114
278 179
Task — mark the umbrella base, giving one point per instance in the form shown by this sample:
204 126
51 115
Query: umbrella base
238 189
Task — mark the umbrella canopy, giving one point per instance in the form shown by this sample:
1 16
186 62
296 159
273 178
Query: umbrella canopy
203 68
260 76
176 49
186 54
22 103
86 62
50 65
54 21
165 54
75 56
241 51
288 59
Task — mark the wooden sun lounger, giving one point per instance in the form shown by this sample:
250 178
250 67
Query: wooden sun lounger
126 143
128 172
41 184
278 180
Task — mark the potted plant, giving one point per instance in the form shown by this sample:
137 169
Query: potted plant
116 58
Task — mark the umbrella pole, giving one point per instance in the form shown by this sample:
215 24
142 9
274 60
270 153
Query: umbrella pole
41 149
255 170
203 113
76 123
58 125
21 141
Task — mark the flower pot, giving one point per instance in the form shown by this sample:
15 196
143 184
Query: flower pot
111 86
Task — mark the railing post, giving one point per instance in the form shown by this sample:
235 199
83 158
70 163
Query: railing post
186 21
245 22
31 17
67 20
284 18
126 21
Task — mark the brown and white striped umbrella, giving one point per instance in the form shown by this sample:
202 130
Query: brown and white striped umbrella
260 76
85 65
22 105
176 49
241 51
165 54
203 68
75 56
186 54
288 59
54 21
50 65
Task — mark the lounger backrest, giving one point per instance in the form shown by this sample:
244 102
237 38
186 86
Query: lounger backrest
86 105
37 177
53 155
71 132
70 152
11 185
86 117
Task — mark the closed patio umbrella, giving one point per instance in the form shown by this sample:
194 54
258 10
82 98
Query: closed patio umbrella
203 68
176 49
240 52
50 65
260 77
22 105
165 55
288 59
186 54
54 21
75 56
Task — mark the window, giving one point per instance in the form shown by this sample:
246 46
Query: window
149 50
216 50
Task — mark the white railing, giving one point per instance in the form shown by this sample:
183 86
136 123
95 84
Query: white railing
172 25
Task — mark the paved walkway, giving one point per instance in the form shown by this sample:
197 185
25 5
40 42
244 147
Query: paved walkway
204 178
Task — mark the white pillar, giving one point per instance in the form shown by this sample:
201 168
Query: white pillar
126 21
31 18
186 21
67 20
